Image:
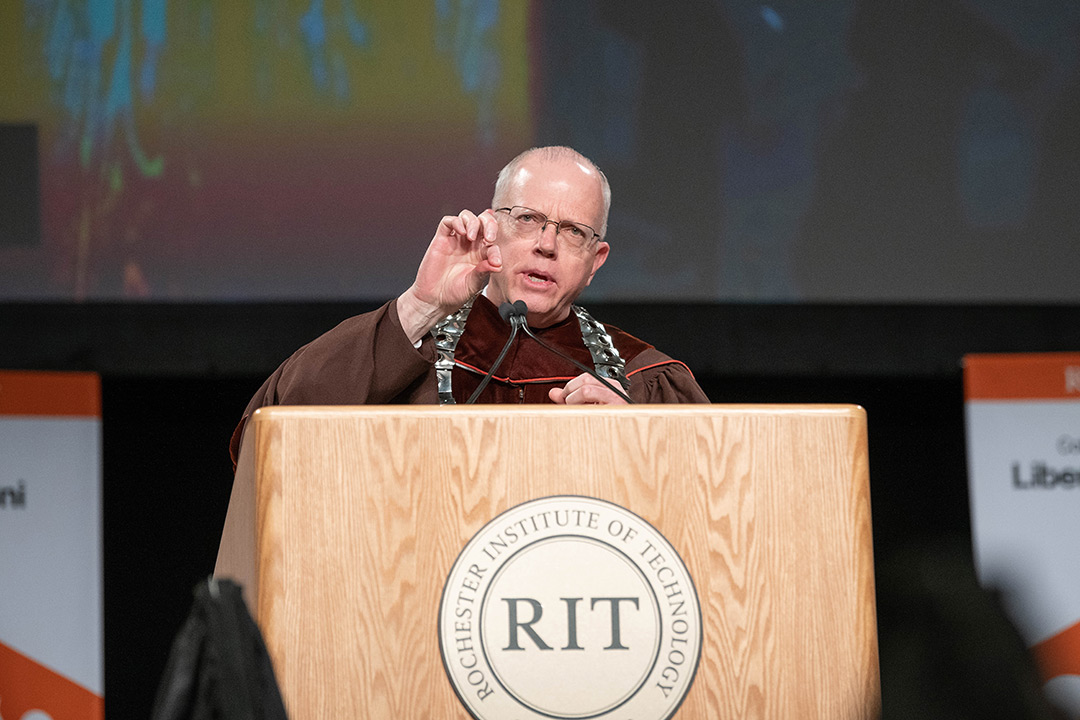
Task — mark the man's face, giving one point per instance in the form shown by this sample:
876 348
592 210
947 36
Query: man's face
546 271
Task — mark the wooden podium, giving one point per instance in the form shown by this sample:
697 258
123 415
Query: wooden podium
344 523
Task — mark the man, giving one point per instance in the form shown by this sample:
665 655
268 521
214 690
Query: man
541 243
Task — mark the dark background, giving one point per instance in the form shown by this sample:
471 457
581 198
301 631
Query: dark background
176 378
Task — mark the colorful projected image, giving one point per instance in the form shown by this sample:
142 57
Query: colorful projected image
263 149
846 150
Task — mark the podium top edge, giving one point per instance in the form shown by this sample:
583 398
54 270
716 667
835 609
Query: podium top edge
672 410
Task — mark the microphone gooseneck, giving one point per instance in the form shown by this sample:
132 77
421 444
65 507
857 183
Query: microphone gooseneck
514 314
520 311
508 312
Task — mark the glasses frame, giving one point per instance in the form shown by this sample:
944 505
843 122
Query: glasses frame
557 223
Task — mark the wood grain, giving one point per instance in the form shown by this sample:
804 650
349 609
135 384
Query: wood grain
361 512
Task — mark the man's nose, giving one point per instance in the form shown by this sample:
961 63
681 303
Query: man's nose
548 243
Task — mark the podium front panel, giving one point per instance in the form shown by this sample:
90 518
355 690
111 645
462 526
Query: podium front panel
356 516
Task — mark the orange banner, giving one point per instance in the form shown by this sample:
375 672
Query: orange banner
73 394
25 685
1022 376
1060 654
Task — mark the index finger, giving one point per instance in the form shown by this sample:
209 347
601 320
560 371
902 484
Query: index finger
490 226
592 392
585 379
577 382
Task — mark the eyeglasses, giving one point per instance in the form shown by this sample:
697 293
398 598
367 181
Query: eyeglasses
528 223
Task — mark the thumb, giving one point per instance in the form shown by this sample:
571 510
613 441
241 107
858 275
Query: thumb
494 258
491 262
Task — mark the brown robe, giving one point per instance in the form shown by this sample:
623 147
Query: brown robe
368 360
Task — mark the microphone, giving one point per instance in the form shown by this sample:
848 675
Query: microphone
510 313
514 313
518 315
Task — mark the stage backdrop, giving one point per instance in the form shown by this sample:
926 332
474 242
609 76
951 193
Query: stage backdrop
306 149
1023 418
50 536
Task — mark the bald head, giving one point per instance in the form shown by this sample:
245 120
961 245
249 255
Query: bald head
552 154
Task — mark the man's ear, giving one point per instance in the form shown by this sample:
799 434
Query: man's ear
599 259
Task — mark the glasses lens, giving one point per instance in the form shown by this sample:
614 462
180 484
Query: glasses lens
526 219
529 223
575 234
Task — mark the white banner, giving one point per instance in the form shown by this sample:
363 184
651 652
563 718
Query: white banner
1023 434
50 546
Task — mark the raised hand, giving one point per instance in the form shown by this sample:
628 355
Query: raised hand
455 267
